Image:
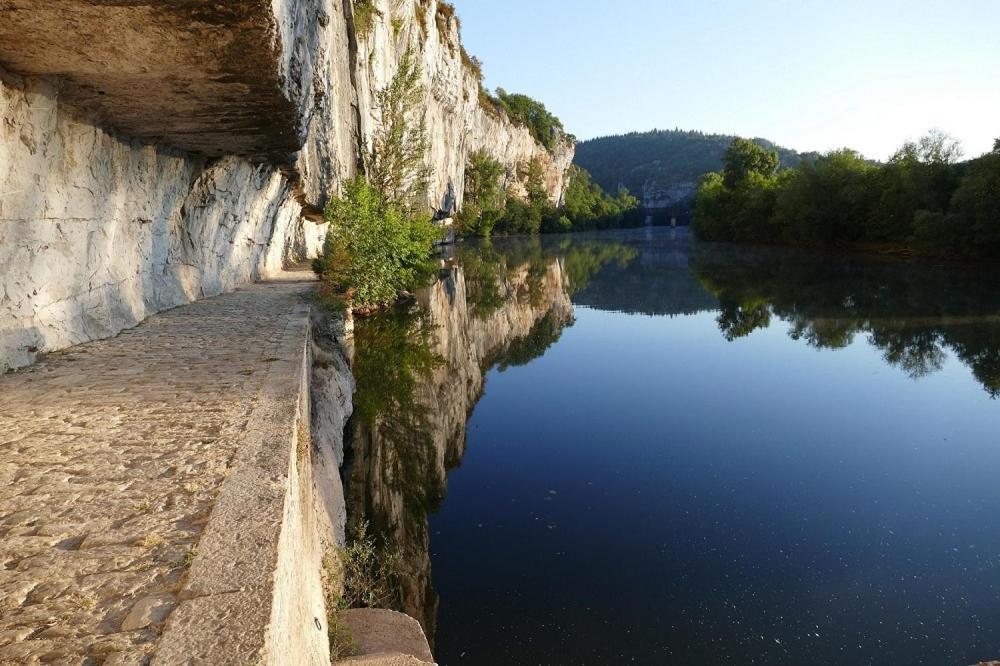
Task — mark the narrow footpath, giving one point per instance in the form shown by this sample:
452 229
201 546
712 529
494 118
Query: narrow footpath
112 455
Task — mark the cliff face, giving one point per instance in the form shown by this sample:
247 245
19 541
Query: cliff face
457 123
153 155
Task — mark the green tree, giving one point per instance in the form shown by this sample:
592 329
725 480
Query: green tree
485 195
587 206
746 157
826 201
976 206
738 204
711 209
919 176
375 248
525 215
396 160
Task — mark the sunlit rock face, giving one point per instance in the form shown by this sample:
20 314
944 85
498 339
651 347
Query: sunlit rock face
410 426
457 124
156 153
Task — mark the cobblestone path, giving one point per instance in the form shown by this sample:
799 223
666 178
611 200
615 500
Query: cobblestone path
111 456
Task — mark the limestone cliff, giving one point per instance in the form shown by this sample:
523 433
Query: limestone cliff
153 154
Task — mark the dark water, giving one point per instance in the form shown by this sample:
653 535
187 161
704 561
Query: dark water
690 454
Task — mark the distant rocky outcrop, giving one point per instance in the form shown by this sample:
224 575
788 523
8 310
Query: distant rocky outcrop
156 153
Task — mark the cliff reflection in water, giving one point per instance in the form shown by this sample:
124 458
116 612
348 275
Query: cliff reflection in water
420 370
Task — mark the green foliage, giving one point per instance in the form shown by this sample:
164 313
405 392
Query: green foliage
396 160
921 199
342 642
531 113
473 64
371 568
745 158
485 195
738 203
375 248
919 176
365 15
524 216
824 202
490 206
975 208
586 206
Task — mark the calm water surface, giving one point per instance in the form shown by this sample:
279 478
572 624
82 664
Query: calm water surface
635 448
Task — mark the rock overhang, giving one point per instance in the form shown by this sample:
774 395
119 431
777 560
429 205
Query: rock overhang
207 77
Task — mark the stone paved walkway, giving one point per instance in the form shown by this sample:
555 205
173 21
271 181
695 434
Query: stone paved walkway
111 456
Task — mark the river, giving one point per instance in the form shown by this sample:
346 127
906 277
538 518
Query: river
632 447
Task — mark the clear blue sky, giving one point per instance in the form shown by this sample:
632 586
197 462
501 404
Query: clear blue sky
808 74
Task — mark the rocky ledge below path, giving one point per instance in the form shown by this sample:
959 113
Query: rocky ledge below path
112 455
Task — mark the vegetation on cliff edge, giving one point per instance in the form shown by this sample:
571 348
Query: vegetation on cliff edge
493 203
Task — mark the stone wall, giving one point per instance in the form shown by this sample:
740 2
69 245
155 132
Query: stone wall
255 592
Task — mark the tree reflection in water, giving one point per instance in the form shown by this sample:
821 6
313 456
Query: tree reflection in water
915 314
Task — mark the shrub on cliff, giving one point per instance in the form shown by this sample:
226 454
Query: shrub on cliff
532 114
396 160
375 248
485 195
381 237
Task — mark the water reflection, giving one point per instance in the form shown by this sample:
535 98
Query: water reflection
915 314
420 370
701 497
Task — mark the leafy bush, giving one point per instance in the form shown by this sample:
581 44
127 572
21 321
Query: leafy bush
371 569
485 195
375 248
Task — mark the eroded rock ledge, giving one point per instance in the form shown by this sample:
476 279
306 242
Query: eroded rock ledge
216 78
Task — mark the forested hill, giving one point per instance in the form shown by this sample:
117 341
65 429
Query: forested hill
661 167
